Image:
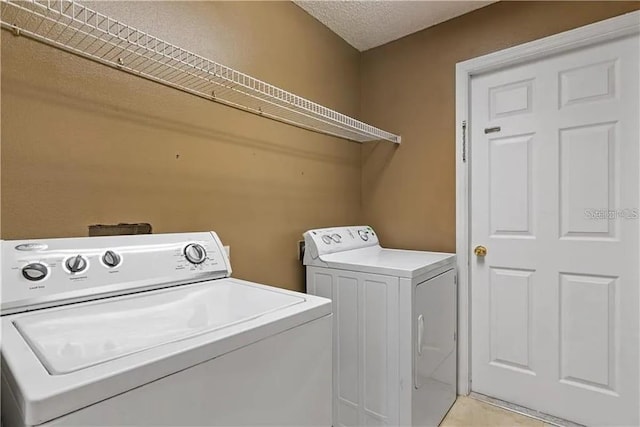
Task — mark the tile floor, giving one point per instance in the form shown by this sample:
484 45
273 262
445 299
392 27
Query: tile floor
468 412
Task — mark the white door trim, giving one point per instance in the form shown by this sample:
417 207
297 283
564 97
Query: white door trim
598 32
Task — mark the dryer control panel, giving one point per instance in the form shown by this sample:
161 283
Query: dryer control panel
325 241
48 272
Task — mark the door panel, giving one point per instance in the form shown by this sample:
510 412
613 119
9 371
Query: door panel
510 198
510 324
555 198
587 154
587 331
588 83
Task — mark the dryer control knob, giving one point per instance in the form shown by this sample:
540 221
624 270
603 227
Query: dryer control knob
195 253
76 264
111 259
35 271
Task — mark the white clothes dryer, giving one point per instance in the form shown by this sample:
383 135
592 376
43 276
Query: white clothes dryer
394 342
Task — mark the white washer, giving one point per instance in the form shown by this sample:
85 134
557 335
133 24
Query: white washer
394 327
150 330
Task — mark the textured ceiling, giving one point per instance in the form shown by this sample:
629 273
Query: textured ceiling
367 24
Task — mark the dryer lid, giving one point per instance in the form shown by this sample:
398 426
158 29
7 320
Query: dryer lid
72 338
391 262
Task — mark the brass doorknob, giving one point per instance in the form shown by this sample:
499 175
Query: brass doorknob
480 251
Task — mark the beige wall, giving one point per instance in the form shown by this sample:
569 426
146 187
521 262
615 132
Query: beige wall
408 87
84 144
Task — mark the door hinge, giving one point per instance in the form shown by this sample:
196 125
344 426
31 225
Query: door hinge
455 336
464 140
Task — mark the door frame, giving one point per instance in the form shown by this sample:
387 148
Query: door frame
609 29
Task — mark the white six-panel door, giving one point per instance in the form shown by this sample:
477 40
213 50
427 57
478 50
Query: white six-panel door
554 199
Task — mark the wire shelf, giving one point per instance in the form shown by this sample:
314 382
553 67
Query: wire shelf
75 28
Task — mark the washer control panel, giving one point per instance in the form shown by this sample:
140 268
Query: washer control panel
325 241
76 264
111 259
195 253
49 272
35 271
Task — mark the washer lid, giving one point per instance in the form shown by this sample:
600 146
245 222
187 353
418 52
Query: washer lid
198 322
74 338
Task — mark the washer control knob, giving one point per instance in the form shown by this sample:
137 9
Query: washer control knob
364 235
35 271
327 239
111 259
76 264
195 253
